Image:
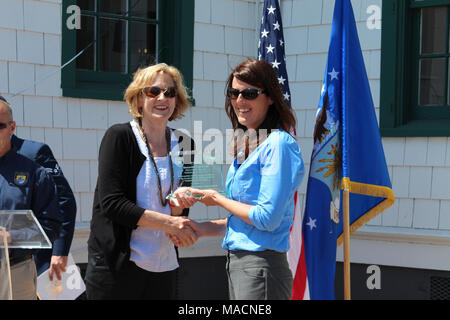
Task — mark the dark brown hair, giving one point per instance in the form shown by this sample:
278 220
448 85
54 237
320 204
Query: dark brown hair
261 74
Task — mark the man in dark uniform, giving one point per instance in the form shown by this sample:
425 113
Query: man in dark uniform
25 185
55 259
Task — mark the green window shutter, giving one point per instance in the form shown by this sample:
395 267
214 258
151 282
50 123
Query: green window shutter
175 47
401 114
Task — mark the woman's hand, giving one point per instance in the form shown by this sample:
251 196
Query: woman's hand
210 197
189 224
181 233
183 199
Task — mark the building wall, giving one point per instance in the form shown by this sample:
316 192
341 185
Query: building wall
30 52
226 32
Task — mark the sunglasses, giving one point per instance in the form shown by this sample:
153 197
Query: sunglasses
154 92
4 125
247 94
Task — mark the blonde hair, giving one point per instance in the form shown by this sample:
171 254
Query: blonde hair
143 77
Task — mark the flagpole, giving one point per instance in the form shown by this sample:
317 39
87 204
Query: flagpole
346 222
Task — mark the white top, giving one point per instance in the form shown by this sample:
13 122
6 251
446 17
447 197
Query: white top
151 249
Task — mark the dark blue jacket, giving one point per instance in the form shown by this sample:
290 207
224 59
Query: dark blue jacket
43 155
25 185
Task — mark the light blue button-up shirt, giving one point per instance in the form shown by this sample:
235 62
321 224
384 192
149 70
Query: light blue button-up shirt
267 180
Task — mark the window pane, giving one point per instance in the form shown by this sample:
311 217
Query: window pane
85 36
432 81
86 4
143 8
113 45
143 45
113 6
434 33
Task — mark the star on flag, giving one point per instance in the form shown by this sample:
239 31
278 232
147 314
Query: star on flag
276 26
270 48
264 33
311 223
271 10
275 64
334 74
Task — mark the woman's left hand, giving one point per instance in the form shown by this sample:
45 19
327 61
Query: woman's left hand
183 199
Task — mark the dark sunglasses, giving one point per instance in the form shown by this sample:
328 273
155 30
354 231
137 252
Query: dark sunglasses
4 125
154 92
247 94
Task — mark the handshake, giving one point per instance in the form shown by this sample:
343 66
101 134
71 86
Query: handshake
182 231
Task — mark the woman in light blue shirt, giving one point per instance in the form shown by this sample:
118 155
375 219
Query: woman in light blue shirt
261 183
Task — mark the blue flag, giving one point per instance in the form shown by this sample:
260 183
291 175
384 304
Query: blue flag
347 153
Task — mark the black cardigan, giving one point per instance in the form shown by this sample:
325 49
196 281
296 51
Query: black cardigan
115 213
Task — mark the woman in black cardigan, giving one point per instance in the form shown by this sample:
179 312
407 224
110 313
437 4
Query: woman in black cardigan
130 255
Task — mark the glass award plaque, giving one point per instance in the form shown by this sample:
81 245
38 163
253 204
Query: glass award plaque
24 230
208 175
5 274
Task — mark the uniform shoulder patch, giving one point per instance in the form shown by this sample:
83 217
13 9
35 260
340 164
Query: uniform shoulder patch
21 178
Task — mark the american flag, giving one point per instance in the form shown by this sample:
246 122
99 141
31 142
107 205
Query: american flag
271 49
271 43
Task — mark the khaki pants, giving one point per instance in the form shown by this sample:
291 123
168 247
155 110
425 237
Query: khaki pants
23 280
